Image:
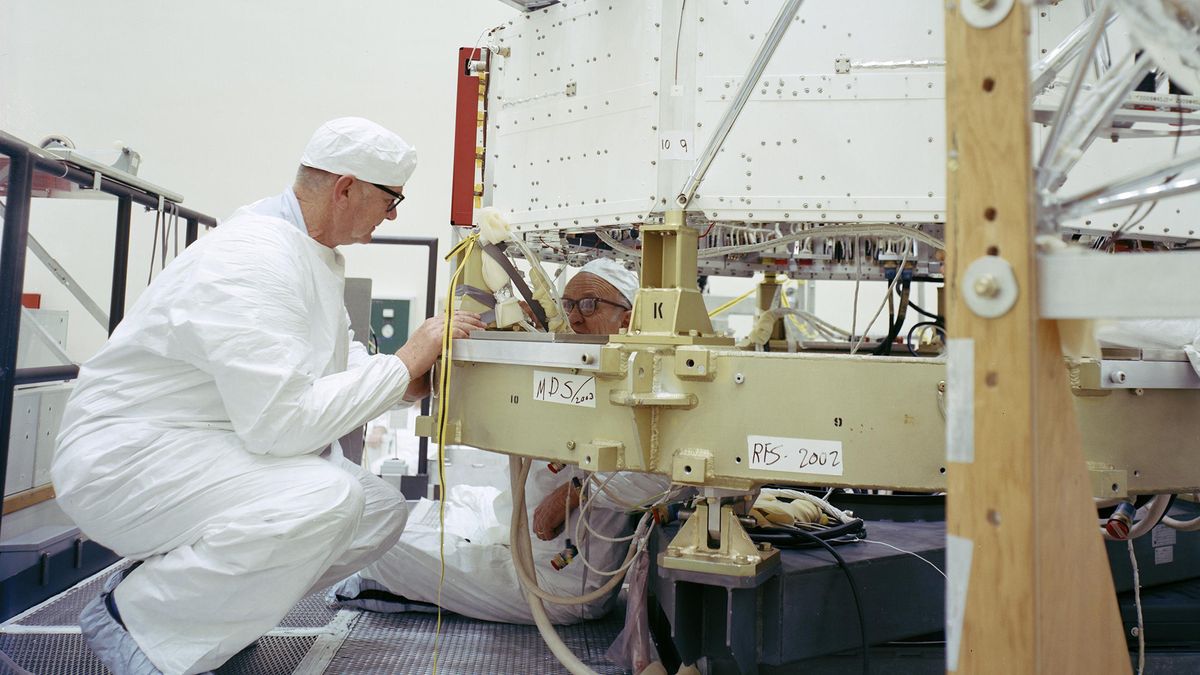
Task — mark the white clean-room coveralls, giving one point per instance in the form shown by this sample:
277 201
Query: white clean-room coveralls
193 436
481 581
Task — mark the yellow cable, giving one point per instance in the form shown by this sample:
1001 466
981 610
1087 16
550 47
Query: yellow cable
468 245
784 301
732 302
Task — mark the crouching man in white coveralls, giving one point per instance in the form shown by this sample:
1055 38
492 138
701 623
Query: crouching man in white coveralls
193 440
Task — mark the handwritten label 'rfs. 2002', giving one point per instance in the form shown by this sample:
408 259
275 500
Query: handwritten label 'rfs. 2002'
795 455
577 390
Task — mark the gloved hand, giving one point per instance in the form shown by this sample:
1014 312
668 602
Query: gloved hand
551 514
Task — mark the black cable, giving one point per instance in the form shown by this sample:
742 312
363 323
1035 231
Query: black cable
785 538
885 347
908 339
862 624
924 312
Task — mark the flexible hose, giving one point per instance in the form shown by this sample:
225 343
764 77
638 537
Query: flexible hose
1154 513
1184 525
522 550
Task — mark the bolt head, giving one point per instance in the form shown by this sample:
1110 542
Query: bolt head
987 286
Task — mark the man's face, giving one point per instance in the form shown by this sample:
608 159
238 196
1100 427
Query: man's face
366 207
611 311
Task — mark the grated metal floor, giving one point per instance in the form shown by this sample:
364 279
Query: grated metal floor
314 639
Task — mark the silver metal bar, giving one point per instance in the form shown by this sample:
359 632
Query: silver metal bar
765 52
45 336
1056 128
1148 375
68 281
1046 69
1091 285
893 65
533 353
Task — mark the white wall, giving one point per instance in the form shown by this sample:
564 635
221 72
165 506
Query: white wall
219 97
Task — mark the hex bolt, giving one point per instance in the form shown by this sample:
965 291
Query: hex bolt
987 286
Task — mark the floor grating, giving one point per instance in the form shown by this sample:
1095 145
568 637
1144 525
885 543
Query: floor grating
46 641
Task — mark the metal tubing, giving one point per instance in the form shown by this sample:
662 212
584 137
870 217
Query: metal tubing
12 282
120 275
1049 66
1114 200
45 374
430 299
1081 128
1071 207
765 52
193 231
1099 21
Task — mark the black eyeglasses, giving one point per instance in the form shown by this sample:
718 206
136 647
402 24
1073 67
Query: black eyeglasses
587 306
398 197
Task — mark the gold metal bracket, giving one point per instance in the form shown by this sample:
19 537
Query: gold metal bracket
734 554
669 308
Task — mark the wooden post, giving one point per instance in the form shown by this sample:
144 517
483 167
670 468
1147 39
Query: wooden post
1028 566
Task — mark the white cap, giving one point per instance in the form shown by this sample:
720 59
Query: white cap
614 273
361 148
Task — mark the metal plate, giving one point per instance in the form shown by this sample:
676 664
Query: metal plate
403 643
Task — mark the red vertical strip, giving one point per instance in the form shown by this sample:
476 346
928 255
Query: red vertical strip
466 136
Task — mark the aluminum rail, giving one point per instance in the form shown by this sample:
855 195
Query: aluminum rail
749 82
430 302
25 160
11 145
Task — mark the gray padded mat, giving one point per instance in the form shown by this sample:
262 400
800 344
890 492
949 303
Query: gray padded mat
403 643
51 654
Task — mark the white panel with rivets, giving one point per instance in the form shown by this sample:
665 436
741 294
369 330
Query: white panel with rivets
570 115
601 108
816 144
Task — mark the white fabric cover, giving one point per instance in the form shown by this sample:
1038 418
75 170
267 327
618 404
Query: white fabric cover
1181 334
481 581
192 439
361 148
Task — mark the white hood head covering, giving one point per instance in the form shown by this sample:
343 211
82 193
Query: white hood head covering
614 273
361 148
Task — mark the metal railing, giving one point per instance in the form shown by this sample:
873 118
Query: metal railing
24 161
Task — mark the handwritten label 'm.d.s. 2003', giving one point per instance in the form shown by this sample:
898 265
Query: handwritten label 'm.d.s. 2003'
795 455
566 389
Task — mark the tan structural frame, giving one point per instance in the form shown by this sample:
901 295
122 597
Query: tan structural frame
1038 594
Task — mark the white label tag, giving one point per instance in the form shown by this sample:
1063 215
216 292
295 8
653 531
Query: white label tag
795 455
562 388
959 551
1162 535
960 400
1164 555
675 145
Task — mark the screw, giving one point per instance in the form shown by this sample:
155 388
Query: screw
570 445
739 378
1117 376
